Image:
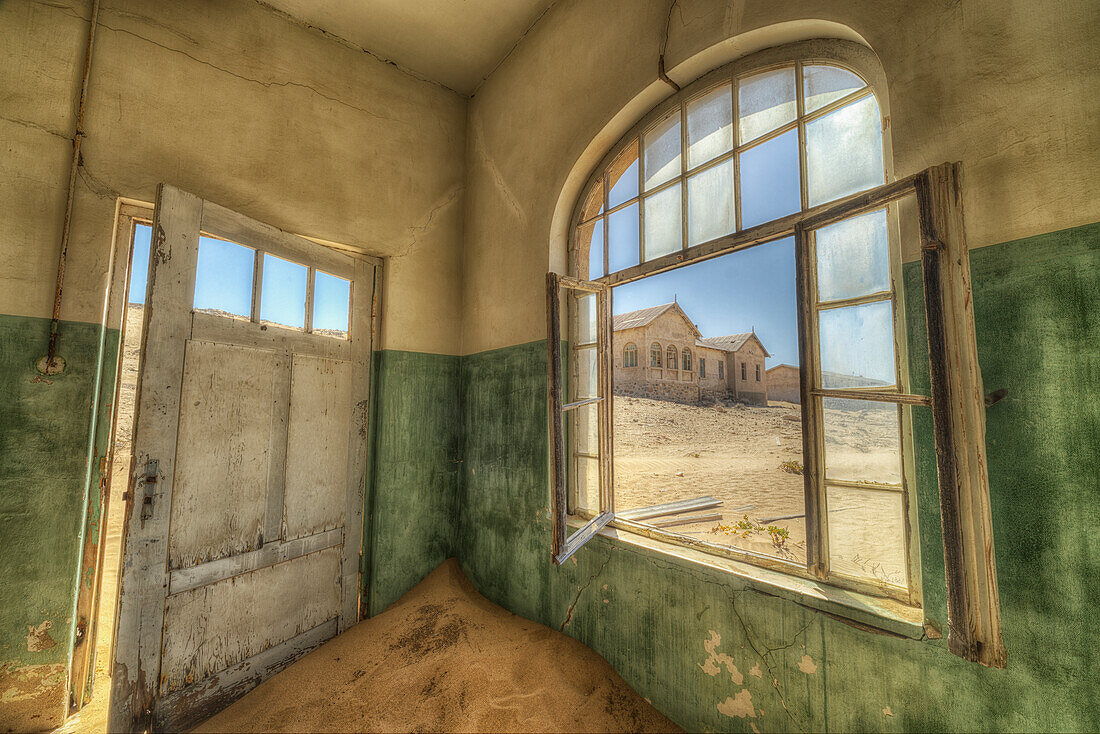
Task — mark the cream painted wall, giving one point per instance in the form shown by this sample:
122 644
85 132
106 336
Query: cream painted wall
1008 88
240 105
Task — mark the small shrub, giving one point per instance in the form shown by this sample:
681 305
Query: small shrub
792 467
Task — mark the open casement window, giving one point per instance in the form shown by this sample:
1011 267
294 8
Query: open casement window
580 409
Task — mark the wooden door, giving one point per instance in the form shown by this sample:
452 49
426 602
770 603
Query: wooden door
245 503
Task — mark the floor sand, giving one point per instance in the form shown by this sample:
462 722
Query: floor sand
444 658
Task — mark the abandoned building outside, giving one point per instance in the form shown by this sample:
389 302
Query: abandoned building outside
358 507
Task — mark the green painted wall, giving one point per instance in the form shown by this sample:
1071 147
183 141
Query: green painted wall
416 463
48 461
1036 305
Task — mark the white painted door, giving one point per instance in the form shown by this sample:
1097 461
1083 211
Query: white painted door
245 507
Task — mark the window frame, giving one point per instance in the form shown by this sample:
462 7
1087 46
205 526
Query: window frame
629 351
974 618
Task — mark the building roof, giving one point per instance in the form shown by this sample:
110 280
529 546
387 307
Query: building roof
731 343
787 366
645 316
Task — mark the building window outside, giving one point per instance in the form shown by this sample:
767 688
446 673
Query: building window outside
743 375
655 355
670 358
686 363
630 356
702 368
721 365
758 373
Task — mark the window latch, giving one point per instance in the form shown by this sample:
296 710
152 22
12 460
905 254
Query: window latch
149 479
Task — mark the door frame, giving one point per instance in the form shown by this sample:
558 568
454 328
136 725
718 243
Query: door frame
128 212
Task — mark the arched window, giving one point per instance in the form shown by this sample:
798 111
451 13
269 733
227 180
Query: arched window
686 361
735 151
630 355
655 355
670 357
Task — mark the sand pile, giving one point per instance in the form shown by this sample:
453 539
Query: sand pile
444 658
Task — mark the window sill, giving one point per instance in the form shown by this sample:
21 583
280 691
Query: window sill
862 610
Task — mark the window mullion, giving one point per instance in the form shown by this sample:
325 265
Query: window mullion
800 105
817 536
734 90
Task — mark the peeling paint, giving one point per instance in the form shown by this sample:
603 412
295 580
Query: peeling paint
887 712
38 637
739 705
715 659
32 697
756 671
807 665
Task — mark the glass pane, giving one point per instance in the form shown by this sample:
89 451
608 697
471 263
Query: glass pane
623 238
710 203
590 249
663 223
662 152
710 125
331 303
139 264
770 180
728 448
857 346
223 278
844 151
593 205
765 102
586 485
623 176
283 298
826 84
585 383
853 257
862 441
586 318
867 534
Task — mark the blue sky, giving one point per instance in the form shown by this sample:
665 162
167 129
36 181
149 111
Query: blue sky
731 294
223 280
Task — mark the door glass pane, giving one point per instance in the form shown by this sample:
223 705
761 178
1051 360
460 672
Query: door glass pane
862 441
663 224
582 443
586 318
710 203
765 102
223 278
623 237
867 534
623 176
826 84
844 151
283 298
853 257
590 249
857 346
139 263
770 180
710 125
662 152
331 304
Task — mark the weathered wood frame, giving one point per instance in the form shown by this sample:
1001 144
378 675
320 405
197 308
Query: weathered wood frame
136 701
959 417
564 545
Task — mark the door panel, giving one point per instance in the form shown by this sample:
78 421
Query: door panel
245 508
222 637
224 441
320 410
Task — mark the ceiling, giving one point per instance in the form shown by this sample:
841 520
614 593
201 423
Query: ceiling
454 42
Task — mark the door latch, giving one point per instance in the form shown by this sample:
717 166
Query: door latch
149 496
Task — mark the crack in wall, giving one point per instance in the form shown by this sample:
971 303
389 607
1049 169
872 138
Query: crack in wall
35 126
569 612
498 178
429 221
768 651
242 77
512 50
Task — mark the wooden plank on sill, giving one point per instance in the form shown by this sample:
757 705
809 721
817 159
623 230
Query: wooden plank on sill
687 520
670 508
